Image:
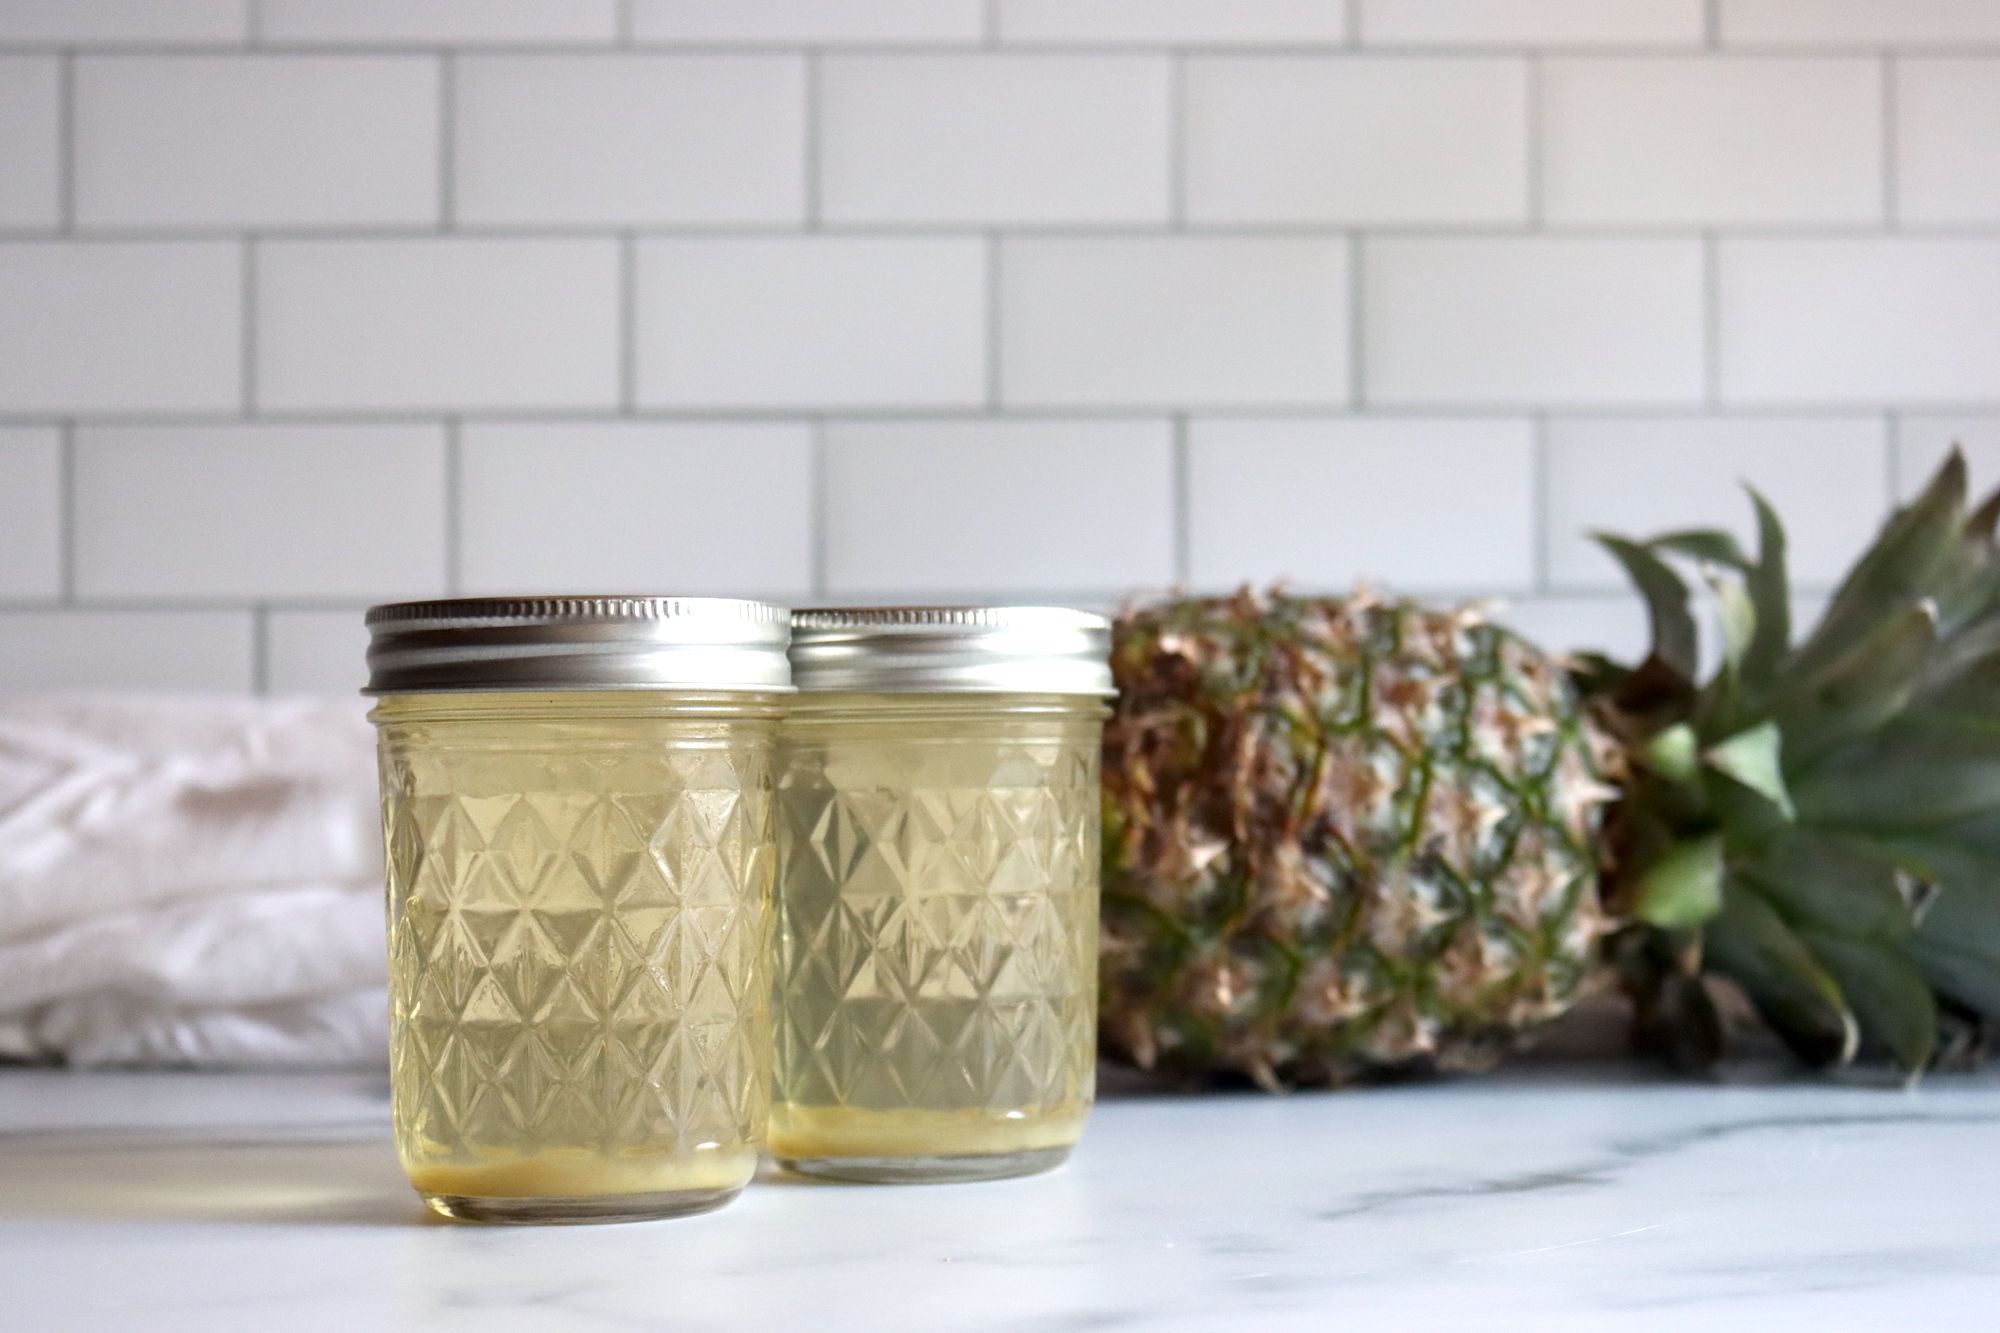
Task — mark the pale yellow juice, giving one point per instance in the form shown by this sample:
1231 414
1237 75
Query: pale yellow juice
807 1132
579 943
563 1172
937 929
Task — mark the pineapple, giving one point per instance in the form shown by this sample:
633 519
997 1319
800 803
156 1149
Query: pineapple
1821 824
1348 836
1341 836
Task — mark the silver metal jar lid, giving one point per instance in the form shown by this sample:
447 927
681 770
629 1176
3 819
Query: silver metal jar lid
578 643
952 649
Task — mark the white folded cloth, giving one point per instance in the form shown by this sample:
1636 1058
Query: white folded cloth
190 881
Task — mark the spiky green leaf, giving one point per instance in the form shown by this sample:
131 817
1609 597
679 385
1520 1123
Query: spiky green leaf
1666 598
1738 619
1884 990
1832 882
1751 757
1749 942
1851 695
1909 777
1771 597
1711 544
1958 947
1915 548
1684 887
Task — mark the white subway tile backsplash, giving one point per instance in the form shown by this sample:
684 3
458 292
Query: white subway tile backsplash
441 323
1160 321
1719 139
1217 21
30 152
339 511
256 141
1923 441
1638 478
630 139
1532 22
31 508
1947 147
998 507
1504 320
308 303
92 22
700 509
1357 139
811 321
994 138
432 22
815 21
1859 22
120 326
1416 505
206 651
315 652
1867 320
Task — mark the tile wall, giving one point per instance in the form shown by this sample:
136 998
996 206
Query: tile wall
310 303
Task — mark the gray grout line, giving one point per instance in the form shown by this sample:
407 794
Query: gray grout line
628 324
1536 149
1331 229
818 508
625 31
1328 229
613 45
813 78
66 143
979 411
66 515
1711 24
447 148
1177 146
1711 320
1183 533
260 648
989 23
249 330
1538 529
454 504
1891 211
1357 322
1355 36
253 25
995 364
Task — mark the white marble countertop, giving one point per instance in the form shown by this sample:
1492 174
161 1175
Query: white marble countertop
1550 1197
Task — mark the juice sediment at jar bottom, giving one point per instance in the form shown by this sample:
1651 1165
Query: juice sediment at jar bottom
579 947
937 937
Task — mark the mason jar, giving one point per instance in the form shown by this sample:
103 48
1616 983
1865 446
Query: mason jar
576 797
938 824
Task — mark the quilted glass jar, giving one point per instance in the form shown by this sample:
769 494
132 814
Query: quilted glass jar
576 797
938 825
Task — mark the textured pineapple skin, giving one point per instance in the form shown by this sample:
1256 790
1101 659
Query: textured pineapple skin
1342 838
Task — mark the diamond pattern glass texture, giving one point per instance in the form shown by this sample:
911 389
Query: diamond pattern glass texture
579 948
937 937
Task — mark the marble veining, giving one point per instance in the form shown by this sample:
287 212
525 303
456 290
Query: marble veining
1548 1197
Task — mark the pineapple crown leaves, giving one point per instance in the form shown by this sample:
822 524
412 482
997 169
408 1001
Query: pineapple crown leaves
1825 817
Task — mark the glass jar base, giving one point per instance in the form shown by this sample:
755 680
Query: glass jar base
577 1210
943 1169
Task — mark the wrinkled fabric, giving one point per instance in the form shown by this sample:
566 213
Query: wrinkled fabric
190 881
